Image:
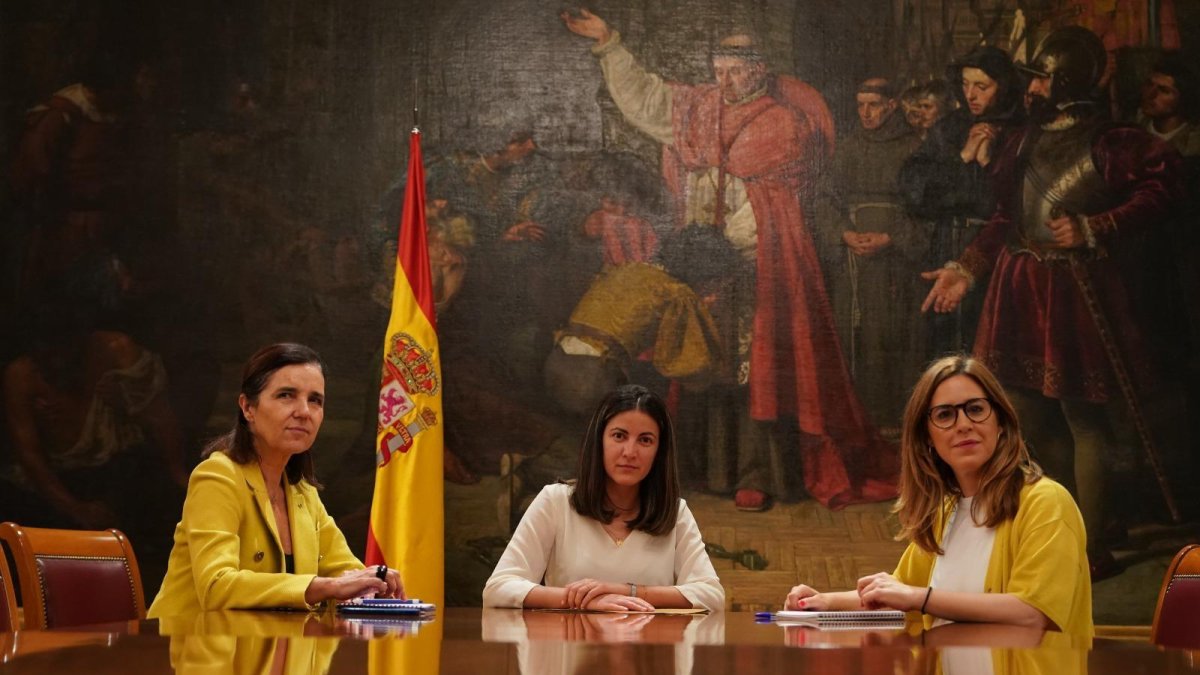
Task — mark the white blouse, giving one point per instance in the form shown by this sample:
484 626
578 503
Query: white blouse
555 545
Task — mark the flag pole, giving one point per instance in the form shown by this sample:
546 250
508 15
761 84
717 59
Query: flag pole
415 70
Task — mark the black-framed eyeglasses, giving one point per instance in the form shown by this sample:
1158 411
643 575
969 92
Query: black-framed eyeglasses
976 410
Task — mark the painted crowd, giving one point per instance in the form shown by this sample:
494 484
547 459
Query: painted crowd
778 283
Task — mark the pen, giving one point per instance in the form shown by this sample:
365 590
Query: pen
764 616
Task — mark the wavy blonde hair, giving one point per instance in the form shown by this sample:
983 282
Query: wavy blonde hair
927 483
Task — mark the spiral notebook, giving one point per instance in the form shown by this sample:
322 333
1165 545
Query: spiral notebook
880 618
387 606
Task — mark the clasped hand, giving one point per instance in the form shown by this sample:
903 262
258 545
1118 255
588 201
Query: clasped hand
602 595
807 597
1067 232
978 147
866 243
883 591
876 591
355 584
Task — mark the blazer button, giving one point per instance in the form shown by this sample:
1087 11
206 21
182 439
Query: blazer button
258 556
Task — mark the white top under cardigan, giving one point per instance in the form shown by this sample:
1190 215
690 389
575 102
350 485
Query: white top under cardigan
556 545
968 548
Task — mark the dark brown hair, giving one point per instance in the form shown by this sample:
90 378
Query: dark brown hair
238 442
1177 68
927 482
658 492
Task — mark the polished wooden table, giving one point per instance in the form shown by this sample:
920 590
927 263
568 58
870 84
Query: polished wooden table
466 640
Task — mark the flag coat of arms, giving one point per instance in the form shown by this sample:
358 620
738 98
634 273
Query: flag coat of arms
407 528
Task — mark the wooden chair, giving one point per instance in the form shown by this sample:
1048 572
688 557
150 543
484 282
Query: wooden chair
9 621
75 577
1177 615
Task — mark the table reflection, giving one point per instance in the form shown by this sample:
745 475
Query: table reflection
511 642
579 643
290 643
29 642
978 649
808 636
197 654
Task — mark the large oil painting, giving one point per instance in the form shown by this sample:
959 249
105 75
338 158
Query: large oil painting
772 213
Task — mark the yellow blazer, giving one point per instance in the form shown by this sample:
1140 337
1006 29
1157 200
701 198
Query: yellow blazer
227 553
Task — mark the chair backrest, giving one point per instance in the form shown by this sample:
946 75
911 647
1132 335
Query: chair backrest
75 577
1177 616
8 599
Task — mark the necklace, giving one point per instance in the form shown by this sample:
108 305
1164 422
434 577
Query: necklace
617 527
608 529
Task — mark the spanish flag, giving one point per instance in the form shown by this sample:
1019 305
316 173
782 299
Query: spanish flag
406 530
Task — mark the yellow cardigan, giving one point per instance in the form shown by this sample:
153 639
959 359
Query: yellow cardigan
1040 556
227 552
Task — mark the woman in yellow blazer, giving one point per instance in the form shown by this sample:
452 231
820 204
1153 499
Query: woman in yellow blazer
254 532
992 539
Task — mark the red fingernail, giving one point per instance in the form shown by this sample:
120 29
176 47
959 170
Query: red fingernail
802 603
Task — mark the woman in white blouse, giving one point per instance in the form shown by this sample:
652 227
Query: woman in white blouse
992 539
620 538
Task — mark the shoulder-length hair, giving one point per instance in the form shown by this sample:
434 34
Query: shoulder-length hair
238 442
927 483
658 492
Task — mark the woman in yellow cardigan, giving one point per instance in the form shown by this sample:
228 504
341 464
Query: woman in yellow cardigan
992 539
254 532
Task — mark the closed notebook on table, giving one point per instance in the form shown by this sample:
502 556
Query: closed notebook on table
386 606
881 618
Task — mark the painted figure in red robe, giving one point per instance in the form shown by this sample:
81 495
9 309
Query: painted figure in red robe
739 154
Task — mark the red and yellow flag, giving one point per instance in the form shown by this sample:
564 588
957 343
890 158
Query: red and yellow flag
406 530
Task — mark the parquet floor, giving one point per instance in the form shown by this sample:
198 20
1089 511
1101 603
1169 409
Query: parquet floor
802 543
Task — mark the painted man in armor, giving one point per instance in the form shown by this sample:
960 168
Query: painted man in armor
1059 326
